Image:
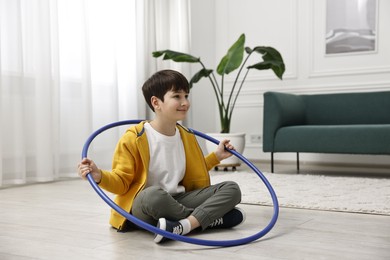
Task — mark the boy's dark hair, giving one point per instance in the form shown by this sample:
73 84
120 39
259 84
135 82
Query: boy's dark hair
163 81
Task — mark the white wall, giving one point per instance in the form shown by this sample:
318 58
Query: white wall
296 28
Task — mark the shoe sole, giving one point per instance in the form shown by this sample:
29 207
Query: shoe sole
162 224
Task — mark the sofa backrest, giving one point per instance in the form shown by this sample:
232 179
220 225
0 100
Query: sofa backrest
347 108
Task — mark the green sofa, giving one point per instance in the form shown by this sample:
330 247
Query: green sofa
341 123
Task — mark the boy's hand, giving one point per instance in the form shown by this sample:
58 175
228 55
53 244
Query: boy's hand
88 166
221 151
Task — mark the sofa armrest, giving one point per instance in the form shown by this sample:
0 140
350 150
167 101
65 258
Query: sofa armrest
280 109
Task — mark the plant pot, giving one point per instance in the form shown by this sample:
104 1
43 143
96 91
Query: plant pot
236 139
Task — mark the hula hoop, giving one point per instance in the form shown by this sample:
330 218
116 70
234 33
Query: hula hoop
153 229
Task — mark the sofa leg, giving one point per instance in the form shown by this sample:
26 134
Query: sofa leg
298 162
272 162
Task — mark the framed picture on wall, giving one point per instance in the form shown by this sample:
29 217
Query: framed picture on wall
351 26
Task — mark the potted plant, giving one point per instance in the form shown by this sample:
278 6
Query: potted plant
233 60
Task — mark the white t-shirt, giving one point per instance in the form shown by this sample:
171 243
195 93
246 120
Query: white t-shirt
167 160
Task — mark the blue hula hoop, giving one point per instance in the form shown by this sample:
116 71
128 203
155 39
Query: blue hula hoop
153 229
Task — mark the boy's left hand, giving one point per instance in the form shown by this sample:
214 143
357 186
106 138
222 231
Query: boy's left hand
221 151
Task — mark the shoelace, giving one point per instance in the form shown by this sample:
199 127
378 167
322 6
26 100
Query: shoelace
177 229
216 222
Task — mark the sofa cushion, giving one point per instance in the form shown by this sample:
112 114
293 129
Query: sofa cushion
347 108
351 139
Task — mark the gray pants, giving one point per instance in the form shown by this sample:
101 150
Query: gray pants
205 204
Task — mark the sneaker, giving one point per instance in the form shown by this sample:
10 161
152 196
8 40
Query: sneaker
231 219
174 227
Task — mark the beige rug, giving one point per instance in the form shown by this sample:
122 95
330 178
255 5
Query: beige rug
349 194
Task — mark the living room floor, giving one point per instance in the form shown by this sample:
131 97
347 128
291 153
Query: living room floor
67 220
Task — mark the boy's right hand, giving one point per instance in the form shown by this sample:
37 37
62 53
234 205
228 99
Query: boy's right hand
88 166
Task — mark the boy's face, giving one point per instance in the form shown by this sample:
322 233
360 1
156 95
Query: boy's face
175 105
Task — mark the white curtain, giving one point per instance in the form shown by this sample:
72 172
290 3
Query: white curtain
69 67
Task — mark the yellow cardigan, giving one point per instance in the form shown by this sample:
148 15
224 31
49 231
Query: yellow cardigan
131 163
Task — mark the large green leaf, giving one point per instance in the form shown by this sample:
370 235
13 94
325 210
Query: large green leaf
233 59
272 60
269 53
203 73
175 56
277 67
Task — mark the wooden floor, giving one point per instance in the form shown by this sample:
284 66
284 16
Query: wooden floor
67 220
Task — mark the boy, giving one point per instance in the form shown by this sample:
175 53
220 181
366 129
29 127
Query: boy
159 173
